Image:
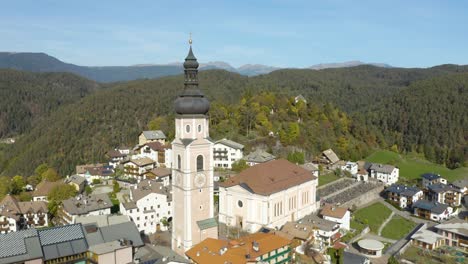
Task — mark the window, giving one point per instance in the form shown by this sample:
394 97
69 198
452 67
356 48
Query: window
199 128
159 206
138 218
179 165
240 204
199 163
187 128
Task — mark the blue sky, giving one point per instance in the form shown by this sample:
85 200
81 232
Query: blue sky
286 33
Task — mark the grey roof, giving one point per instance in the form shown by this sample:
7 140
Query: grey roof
102 220
84 204
351 258
434 207
127 230
403 189
457 226
427 236
259 156
230 143
431 176
187 141
62 241
310 166
154 134
382 168
76 179
441 188
146 187
20 246
207 223
314 220
460 183
129 205
158 255
331 155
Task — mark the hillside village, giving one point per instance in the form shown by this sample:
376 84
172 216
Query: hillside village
199 200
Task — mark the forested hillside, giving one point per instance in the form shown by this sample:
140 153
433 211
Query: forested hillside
430 117
349 109
26 97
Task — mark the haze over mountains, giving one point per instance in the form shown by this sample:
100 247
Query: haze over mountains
41 62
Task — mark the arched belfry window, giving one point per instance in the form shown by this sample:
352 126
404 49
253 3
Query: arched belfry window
199 162
179 165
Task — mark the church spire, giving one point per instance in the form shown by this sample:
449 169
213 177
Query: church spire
192 100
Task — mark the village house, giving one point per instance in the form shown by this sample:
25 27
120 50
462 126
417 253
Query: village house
445 194
83 205
325 232
257 157
455 232
115 157
313 168
351 167
163 175
226 152
94 172
268 194
161 154
254 248
432 210
427 239
76 181
404 196
137 168
462 186
300 98
43 189
15 215
431 178
336 214
151 136
385 173
329 157
149 206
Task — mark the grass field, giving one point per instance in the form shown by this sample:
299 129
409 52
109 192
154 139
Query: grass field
327 178
373 215
412 166
397 228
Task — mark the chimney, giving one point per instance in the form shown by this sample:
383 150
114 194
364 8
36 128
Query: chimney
255 246
198 253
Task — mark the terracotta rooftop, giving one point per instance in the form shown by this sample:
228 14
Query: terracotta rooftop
270 177
236 251
333 211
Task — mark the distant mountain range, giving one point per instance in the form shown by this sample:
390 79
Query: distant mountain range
41 62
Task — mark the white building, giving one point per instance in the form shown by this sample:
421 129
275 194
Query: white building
404 196
82 205
432 210
136 168
155 151
115 157
385 173
267 194
149 206
431 178
350 166
226 152
338 215
15 215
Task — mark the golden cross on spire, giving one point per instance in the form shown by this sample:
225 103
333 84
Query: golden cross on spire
190 39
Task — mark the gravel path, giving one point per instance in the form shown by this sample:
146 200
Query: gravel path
385 223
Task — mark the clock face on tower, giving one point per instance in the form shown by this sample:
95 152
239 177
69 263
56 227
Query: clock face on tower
200 180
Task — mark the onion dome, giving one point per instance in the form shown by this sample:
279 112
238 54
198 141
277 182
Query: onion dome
191 101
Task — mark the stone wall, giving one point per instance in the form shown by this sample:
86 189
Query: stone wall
365 198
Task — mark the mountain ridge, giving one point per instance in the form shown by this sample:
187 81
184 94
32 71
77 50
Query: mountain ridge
43 62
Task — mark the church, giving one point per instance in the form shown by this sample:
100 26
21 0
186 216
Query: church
192 170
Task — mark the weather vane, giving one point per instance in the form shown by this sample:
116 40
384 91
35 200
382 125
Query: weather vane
190 39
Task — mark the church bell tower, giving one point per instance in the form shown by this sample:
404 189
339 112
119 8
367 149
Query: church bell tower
192 170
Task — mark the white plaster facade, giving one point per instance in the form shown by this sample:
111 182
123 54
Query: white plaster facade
225 155
386 177
250 211
7 225
344 221
149 212
350 166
